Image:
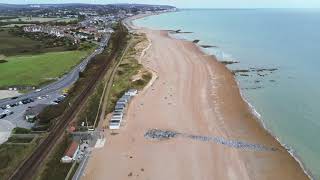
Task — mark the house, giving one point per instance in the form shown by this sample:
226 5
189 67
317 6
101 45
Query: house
71 153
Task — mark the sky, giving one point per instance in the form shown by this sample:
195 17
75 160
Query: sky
192 3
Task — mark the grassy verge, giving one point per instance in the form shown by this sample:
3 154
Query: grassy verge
89 114
90 111
72 171
33 70
19 130
11 155
17 139
53 168
130 74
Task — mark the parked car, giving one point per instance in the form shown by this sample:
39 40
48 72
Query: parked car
61 98
54 103
14 104
2 116
27 100
8 112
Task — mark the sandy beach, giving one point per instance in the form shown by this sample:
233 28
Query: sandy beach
193 94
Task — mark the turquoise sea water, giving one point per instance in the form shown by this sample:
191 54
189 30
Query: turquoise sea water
287 99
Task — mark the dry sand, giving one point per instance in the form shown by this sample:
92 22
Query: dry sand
197 95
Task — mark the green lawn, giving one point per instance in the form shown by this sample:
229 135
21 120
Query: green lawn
34 70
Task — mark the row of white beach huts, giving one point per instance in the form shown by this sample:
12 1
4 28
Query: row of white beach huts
119 109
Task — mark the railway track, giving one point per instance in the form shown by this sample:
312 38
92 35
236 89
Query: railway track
29 167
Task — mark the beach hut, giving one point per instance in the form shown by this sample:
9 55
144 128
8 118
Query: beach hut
132 92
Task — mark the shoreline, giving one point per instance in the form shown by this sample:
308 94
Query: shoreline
214 107
257 115
129 23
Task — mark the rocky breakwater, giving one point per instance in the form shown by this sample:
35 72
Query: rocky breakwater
158 135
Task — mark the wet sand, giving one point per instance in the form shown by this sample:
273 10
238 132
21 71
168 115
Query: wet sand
193 94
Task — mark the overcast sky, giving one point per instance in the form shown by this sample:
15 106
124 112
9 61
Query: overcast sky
192 3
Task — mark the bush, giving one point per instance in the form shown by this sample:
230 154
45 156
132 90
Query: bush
14 139
19 130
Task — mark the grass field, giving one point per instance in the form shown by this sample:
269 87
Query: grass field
12 155
9 42
34 70
53 169
66 19
27 19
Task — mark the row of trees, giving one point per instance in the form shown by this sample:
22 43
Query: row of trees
49 41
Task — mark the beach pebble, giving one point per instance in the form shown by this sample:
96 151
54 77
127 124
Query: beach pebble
157 134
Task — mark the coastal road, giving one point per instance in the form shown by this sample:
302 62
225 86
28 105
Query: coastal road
52 91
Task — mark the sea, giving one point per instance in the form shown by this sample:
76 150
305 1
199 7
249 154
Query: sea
278 69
